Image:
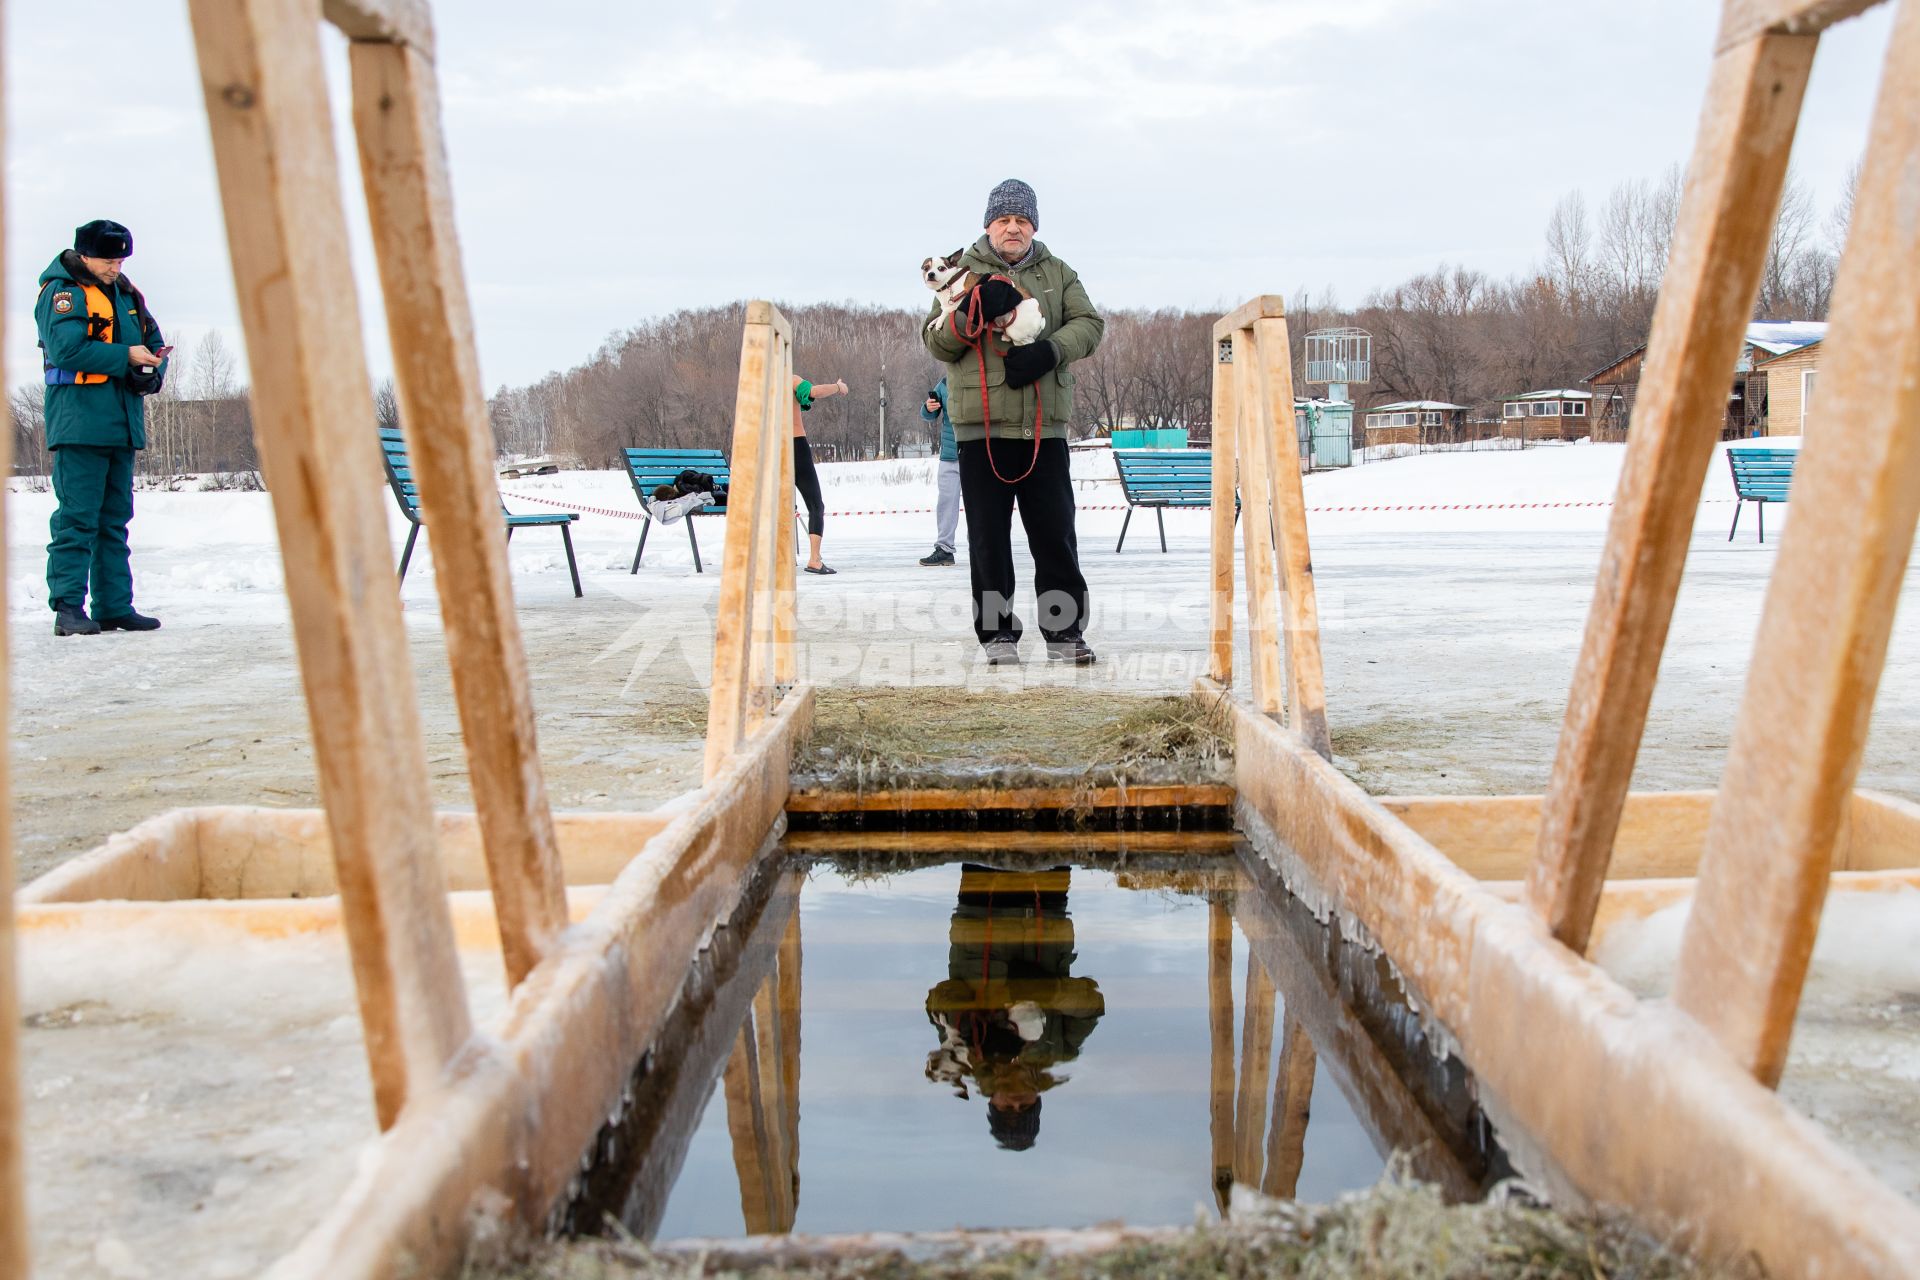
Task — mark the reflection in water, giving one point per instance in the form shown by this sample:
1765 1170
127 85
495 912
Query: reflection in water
1008 1020
1010 1010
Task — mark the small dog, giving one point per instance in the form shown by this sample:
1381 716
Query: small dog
951 282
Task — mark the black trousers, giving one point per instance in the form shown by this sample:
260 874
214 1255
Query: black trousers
807 481
1045 499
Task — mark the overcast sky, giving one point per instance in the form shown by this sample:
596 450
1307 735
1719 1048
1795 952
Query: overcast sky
615 162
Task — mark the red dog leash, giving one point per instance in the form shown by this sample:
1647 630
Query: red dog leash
978 334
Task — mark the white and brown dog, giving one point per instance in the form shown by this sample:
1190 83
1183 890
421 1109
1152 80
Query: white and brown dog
951 282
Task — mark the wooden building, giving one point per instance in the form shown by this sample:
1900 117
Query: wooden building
1560 413
1415 422
1789 380
1756 380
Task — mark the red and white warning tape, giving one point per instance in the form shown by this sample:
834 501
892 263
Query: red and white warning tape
1121 506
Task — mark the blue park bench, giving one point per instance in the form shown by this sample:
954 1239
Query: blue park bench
1760 476
648 469
1162 478
393 450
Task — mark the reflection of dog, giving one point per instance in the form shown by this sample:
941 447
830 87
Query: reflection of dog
951 282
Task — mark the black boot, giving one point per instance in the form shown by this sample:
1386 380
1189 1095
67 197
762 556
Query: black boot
1070 649
71 620
128 621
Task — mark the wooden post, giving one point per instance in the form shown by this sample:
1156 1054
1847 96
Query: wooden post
1829 610
1256 1058
1306 680
1292 1108
14 1253
727 715
1226 426
747 1125
1726 217
789 1007
783 611
279 180
771 1059
766 548
1220 1025
443 410
1255 451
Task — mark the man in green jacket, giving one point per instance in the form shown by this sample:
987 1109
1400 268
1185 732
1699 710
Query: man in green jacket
103 353
1010 407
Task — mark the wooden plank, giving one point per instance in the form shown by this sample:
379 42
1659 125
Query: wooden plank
784 625
443 413
1256 1060
1828 616
1220 1041
747 1126
1167 795
1225 475
1299 602
1883 834
788 989
1265 307
1256 450
771 1062
934 843
261 70
14 1244
1292 1108
400 22
1745 20
1642 1108
1726 217
526 1102
776 437
1495 837
726 715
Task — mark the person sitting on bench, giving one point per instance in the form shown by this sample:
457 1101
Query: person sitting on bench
690 491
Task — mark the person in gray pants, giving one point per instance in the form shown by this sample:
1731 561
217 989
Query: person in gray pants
948 513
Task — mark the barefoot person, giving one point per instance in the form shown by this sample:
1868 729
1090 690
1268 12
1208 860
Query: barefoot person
805 478
1002 461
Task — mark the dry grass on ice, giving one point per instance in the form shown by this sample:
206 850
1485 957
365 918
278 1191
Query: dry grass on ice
1396 1231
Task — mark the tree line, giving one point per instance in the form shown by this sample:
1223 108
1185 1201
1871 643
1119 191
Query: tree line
1453 333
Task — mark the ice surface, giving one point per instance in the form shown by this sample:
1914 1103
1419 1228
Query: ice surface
195 1099
1855 1063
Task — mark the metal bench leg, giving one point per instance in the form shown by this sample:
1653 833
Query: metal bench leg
1760 515
566 536
1160 514
641 550
695 544
1738 507
1123 531
509 533
407 555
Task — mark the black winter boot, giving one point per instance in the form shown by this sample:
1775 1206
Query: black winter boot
71 620
128 621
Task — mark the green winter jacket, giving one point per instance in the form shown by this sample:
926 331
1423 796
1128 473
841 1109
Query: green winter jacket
103 413
1073 327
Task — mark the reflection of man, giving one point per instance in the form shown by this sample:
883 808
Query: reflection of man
1010 1010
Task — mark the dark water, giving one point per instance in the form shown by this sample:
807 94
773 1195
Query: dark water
1021 1039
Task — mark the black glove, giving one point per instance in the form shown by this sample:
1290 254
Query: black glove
1026 364
997 297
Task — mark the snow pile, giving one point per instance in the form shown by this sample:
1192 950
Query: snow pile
1855 1063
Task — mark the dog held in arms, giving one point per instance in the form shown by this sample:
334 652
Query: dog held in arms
951 282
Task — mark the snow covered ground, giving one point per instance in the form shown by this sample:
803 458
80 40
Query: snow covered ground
1453 592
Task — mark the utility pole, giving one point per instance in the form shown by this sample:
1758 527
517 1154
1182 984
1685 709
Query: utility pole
883 408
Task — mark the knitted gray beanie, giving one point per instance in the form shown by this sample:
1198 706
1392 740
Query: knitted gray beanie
1013 196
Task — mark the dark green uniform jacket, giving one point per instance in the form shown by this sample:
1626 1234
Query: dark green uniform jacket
107 414
1073 327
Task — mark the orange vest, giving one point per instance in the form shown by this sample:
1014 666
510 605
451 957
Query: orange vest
100 318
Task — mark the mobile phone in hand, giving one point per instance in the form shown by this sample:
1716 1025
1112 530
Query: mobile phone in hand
163 352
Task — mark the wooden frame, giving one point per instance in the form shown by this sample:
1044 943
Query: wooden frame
13 1164
1666 1110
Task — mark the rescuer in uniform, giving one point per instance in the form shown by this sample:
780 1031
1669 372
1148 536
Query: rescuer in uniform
103 355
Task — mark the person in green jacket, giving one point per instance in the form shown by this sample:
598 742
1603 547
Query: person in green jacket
103 353
1010 407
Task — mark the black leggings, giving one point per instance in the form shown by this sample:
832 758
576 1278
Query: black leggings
807 481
